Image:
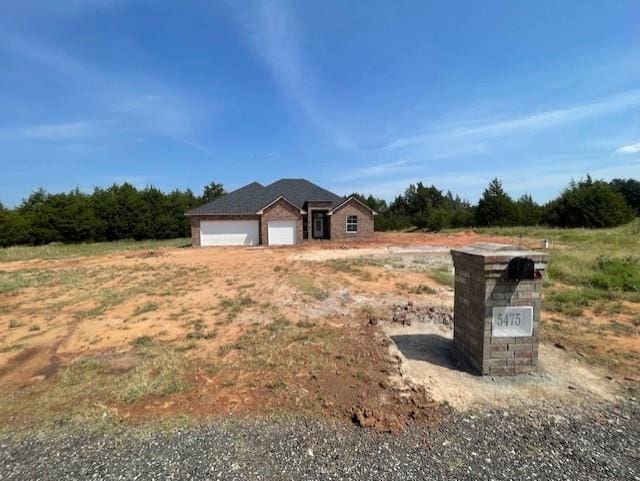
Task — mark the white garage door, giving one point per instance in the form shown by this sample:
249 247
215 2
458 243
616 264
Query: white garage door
282 232
229 233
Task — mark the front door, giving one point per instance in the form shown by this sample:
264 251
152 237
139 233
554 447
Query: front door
318 225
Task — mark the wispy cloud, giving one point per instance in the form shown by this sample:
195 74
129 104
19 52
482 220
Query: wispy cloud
274 35
378 170
113 104
488 128
57 131
629 149
545 174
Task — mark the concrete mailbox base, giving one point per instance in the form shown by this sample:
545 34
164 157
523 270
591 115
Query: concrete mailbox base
497 317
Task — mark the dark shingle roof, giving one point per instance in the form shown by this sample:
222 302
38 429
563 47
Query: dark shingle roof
253 197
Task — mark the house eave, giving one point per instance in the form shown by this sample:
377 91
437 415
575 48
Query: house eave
282 197
347 200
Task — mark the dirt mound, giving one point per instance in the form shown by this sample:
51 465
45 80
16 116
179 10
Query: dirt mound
407 314
409 405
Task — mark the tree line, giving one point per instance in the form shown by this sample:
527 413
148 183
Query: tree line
125 212
585 203
106 214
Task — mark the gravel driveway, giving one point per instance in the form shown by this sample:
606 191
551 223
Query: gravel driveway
598 444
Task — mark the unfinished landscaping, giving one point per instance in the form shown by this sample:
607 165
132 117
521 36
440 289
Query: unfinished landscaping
359 333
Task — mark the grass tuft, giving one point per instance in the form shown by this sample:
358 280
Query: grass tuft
82 371
307 285
146 307
142 341
422 289
161 375
234 306
62 251
442 276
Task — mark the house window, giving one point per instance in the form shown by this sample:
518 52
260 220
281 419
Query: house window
352 223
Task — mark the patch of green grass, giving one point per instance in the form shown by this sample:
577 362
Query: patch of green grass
61 251
161 375
442 276
110 297
83 371
608 307
355 266
282 348
422 289
142 341
199 332
572 302
234 306
307 285
279 324
618 328
617 274
187 347
12 281
636 321
146 307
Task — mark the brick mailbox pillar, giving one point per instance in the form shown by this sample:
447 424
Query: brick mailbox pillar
497 307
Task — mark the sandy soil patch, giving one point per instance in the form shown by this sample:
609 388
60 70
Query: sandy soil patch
428 358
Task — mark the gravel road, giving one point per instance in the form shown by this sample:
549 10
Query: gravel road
600 443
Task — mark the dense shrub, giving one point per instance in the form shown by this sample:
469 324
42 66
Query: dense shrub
589 203
617 274
630 190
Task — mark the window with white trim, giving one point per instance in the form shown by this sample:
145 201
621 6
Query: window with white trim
352 223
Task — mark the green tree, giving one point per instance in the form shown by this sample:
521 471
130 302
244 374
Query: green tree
212 191
38 215
379 205
630 190
122 211
527 211
589 203
495 207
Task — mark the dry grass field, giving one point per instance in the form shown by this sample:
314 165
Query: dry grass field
151 332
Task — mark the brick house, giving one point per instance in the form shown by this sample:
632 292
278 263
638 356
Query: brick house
286 212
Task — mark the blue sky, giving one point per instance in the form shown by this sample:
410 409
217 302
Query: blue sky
364 95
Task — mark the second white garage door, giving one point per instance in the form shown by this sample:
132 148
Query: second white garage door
282 232
229 233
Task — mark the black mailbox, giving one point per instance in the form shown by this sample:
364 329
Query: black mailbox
521 268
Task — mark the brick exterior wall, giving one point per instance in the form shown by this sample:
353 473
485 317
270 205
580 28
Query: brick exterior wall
480 285
280 210
339 222
196 219
284 210
322 206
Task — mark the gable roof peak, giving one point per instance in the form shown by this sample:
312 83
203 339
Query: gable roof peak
253 197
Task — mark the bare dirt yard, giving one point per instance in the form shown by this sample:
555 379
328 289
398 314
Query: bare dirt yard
178 334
